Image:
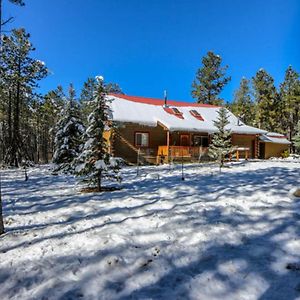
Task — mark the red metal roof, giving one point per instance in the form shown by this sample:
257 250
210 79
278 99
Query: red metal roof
160 102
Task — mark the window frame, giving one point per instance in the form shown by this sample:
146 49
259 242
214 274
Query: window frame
135 139
203 137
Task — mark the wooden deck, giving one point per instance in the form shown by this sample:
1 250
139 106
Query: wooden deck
168 153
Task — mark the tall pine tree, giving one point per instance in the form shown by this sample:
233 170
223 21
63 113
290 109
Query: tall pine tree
69 136
242 105
19 76
88 91
3 93
95 162
210 80
221 141
296 139
265 99
289 105
4 22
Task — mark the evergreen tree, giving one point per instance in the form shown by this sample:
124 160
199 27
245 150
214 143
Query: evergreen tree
242 105
3 22
69 136
289 106
3 92
210 80
95 162
19 76
113 88
296 138
265 99
54 103
87 97
88 91
221 140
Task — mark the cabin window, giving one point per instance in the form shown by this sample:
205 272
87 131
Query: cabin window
142 139
200 141
196 114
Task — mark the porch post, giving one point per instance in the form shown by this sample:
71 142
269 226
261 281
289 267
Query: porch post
168 145
256 146
237 155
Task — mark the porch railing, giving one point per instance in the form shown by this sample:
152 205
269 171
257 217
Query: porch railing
181 151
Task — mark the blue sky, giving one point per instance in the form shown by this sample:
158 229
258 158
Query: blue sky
149 46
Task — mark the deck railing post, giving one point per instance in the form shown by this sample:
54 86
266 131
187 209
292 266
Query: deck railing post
182 176
138 162
168 145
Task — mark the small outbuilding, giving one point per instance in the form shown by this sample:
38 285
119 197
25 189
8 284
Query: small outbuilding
273 144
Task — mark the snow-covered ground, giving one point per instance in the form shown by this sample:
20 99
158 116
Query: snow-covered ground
211 236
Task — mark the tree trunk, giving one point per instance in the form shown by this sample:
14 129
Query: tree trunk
9 120
16 124
1 215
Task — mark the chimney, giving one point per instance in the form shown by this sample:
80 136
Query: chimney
165 97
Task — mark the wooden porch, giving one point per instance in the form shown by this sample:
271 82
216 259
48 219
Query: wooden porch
166 154
170 153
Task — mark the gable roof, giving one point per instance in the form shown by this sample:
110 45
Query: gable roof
150 112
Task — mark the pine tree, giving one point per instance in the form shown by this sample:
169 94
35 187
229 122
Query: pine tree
265 99
3 22
87 97
221 140
289 105
19 76
88 91
113 88
95 163
242 105
3 93
210 80
68 138
296 139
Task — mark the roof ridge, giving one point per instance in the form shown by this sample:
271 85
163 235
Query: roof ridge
157 101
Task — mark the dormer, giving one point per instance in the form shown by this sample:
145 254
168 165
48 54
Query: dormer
196 114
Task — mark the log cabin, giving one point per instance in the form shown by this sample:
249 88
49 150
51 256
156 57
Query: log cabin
148 130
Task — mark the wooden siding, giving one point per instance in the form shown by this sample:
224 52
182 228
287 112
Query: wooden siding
157 136
275 150
245 141
175 137
123 144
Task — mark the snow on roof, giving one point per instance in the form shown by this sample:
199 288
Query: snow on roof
150 112
274 137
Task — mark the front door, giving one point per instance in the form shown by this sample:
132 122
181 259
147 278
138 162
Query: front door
184 140
262 150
